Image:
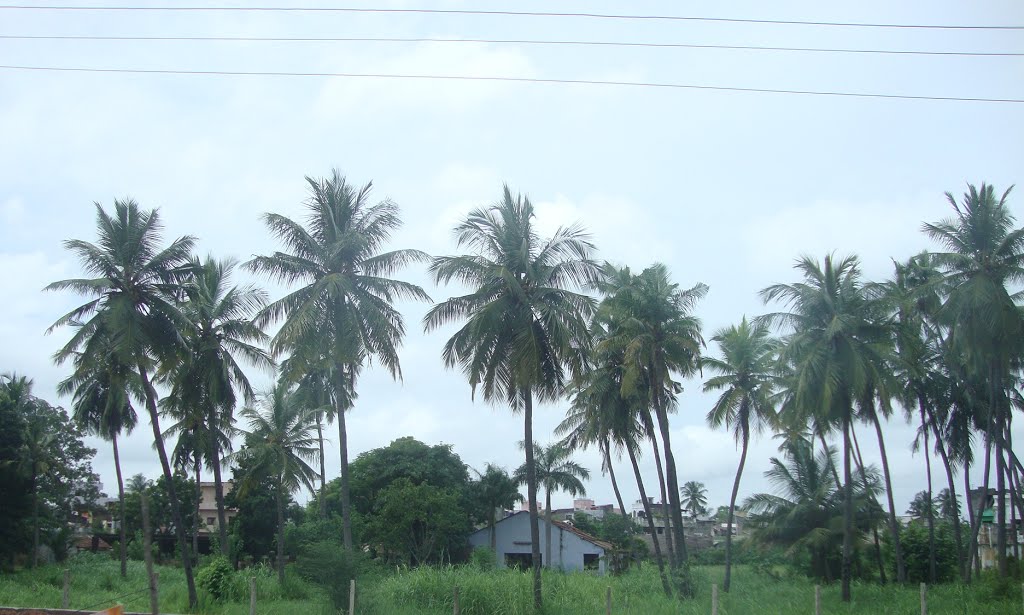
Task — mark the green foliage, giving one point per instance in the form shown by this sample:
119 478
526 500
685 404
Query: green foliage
418 524
330 567
312 530
14 484
374 471
252 530
161 518
483 558
914 540
217 577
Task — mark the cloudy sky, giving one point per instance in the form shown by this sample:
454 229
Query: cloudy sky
725 187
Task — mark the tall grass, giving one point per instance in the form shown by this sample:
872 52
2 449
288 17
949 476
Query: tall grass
428 591
96 583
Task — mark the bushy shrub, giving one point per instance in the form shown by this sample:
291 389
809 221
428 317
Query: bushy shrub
483 558
328 565
217 578
914 540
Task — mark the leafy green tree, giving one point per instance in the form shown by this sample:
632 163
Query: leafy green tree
342 313
253 529
524 324
984 259
949 506
219 336
554 471
745 376
695 497
132 302
660 338
405 458
494 490
418 524
837 349
13 483
278 445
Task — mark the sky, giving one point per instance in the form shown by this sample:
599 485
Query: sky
724 187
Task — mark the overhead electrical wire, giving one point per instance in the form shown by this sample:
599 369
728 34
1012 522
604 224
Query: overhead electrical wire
326 9
335 39
509 79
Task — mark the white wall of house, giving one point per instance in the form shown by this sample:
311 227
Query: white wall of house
569 552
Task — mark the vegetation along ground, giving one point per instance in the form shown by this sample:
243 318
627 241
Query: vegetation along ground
428 590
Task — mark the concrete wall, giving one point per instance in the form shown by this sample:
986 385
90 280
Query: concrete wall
513 536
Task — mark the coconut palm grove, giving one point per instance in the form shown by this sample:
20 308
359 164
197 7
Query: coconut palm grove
165 340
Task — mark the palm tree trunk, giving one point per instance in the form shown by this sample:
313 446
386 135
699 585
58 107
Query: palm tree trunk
179 528
531 496
732 504
323 472
894 528
122 547
952 494
831 466
650 521
976 522
1000 505
931 505
664 505
874 527
197 521
547 528
971 546
280 532
846 570
976 528
611 475
673 488
346 512
218 493
35 516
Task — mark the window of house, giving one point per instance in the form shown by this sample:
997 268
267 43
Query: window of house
521 561
209 521
590 561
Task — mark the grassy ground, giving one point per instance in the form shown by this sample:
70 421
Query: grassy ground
96 583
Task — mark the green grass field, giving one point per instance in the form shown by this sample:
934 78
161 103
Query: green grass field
96 583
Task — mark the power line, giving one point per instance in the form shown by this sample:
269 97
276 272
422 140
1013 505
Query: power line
506 79
332 39
323 9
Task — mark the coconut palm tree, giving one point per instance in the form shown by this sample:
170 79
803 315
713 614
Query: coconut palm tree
599 410
695 497
660 339
984 258
525 325
837 350
219 336
555 471
806 511
133 301
102 390
279 444
342 312
745 376
495 490
37 449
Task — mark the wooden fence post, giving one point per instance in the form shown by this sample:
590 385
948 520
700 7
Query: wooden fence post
352 597
608 601
924 599
456 609
817 600
65 601
147 548
252 595
714 599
